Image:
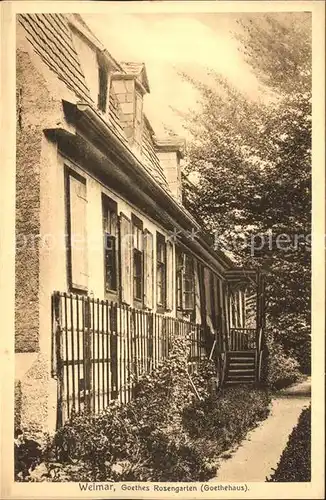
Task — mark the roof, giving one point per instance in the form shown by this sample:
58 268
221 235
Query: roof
172 143
51 38
138 70
150 158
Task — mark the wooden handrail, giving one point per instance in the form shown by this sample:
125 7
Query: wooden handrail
259 354
223 369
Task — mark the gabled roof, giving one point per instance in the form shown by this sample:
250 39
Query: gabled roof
172 143
138 70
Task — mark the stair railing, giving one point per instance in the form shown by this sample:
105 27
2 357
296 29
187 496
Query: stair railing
259 354
222 369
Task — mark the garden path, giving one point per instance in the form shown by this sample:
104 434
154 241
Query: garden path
256 457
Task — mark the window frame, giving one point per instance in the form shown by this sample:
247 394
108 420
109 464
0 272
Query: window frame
111 206
137 224
70 172
181 277
161 266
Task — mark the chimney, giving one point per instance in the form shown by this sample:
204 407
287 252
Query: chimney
170 151
130 86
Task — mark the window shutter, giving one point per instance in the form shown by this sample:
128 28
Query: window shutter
208 296
226 306
148 269
126 239
78 233
183 294
169 276
222 307
198 302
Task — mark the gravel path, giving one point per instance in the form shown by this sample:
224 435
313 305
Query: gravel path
260 452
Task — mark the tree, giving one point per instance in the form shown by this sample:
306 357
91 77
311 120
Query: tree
252 159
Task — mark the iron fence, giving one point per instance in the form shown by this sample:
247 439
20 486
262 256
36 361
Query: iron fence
101 347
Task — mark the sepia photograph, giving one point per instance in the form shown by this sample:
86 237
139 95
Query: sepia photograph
163 191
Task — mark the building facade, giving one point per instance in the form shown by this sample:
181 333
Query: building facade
109 263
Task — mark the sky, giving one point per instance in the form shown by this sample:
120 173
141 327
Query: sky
168 44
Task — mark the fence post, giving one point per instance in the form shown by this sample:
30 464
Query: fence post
87 348
163 338
150 341
133 345
57 361
114 350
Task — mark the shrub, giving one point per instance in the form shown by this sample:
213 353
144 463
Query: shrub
227 417
142 440
282 370
164 434
295 461
27 454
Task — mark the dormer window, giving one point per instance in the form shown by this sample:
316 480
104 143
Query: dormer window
170 151
129 86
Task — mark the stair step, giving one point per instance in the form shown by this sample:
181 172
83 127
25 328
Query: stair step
239 354
239 382
241 365
240 368
245 371
243 361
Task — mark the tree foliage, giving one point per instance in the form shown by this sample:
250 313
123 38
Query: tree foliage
252 159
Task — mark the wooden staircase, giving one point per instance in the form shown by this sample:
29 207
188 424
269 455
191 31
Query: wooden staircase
240 367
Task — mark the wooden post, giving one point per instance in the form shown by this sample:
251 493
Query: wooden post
87 353
227 319
57 365
114 351
258 306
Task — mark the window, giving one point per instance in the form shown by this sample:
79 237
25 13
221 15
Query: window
137 227
185 282
148 269
77 234
110 234
125 245
160 270
233 313
169 276
188 278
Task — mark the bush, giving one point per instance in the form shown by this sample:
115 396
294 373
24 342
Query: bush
227 417
164 434
282 370
296 343
295 461
28 454
142 440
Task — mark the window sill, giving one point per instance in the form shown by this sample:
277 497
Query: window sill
111 295
161 309
138 304
78 290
